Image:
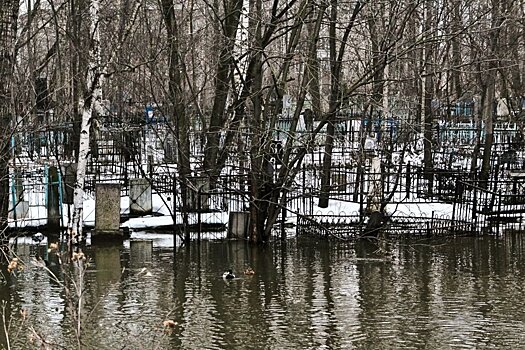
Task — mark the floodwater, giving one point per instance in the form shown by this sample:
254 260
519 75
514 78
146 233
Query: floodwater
461 293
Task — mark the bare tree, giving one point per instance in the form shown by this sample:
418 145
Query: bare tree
177 108
488 82
222 84
8 30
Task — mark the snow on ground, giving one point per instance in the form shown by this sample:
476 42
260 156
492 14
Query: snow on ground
337 208
161 216
423 209
419 209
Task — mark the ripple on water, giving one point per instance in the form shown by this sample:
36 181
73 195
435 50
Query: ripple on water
313 297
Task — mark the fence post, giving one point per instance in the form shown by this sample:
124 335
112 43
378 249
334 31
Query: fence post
13 197
150 166
283 216
454 207
60 199
408 180
474 208
432 221
174 211
199 209
357 185
53 200
361 195
499 212
303 197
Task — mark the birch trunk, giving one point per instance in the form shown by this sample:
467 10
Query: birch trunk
87 104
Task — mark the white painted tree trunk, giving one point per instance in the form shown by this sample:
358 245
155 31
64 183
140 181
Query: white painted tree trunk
90 101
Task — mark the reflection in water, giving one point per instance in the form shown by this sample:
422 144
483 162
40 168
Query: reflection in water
140 253
456 293
107 264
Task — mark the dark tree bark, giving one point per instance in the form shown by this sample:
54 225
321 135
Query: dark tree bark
336 58
8 29
428 94
225 68
177 107
489 78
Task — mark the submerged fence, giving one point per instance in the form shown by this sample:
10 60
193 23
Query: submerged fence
470 205
149 151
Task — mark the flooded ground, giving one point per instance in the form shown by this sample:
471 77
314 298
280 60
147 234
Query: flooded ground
449 294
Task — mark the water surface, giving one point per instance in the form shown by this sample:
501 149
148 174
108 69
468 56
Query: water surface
463 293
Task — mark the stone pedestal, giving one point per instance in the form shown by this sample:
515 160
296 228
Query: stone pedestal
140 197
107 212
238 224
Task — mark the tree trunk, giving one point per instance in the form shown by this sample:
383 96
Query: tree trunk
76 7
222 89
8 30
91 100
336 57
261 178
334 95
427 131
427 98
477 142
487 117
489 78
456 51
177 108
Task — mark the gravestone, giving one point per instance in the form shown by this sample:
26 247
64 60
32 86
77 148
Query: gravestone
140 197
107 211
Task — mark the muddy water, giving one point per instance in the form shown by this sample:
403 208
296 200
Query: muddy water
451 294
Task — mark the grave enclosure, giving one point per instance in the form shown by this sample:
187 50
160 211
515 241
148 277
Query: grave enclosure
137 162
